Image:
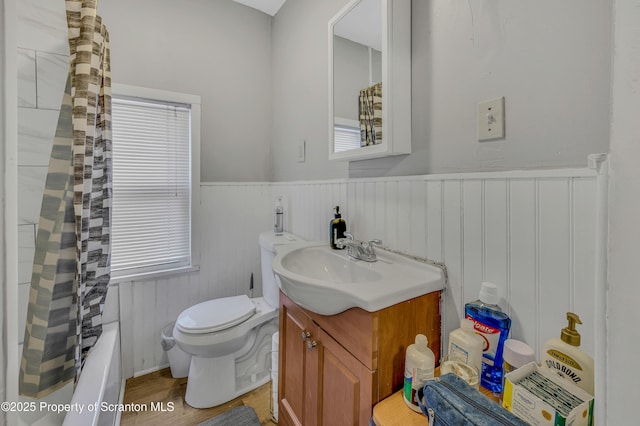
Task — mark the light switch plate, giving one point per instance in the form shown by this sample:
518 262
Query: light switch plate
301 151
491 119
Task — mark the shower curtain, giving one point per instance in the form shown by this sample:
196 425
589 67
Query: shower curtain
370 109
71 268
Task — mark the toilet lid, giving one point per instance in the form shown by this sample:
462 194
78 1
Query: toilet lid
215 315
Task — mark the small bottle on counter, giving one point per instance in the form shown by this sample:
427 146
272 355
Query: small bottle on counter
564 357
419 366
337 228
516 354
493 326
278 216
466 346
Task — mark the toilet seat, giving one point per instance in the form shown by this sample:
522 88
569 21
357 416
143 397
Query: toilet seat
215 315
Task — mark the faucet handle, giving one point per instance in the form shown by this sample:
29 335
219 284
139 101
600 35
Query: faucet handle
368 248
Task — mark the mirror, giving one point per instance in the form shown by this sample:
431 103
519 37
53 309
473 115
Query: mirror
370 80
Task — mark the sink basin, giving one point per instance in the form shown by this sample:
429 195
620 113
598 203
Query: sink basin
328 282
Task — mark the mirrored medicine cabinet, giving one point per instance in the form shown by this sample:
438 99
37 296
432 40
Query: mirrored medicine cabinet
370 80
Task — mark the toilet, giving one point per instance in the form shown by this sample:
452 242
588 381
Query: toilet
230 338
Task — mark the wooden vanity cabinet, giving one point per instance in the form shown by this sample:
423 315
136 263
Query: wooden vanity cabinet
334 369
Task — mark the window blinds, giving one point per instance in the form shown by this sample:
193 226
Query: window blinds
151 210
345 138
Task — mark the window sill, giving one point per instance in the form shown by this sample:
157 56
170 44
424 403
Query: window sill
147 276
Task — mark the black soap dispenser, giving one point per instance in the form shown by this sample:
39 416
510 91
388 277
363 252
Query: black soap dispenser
337 228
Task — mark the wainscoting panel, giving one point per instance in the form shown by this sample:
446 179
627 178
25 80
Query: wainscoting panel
529 232
147 307
523 260
453 255
232 215
308 206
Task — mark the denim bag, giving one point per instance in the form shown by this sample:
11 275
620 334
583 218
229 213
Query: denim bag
449 401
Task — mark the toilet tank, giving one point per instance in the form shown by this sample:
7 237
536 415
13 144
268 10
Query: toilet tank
269 243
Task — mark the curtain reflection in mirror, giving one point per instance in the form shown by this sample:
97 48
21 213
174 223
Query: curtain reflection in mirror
370 111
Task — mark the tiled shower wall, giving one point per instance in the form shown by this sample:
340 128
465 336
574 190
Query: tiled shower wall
42 63
532 233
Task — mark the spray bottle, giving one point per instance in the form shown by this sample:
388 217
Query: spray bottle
278 216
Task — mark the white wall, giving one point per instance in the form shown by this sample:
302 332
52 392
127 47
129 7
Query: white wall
8 216
236 213
3 278
623 342
532 233
550 60
219 50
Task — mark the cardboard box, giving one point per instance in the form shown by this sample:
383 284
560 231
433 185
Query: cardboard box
539 410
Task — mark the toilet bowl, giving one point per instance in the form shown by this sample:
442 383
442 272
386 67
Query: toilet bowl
230 338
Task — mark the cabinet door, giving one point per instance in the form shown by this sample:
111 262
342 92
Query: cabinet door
298 367
346 386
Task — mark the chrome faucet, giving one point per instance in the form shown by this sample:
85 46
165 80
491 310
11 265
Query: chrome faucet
358 250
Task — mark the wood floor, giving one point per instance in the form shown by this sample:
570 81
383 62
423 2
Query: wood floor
160 387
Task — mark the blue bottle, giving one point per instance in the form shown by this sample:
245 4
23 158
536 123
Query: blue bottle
493 326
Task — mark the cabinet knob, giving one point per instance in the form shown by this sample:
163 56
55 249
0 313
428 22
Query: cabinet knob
305 335
311 345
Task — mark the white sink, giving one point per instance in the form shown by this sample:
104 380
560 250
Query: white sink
328 282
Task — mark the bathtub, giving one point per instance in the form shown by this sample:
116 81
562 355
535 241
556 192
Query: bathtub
99 384
99 387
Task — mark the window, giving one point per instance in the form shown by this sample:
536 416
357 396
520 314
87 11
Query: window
346 134
151 227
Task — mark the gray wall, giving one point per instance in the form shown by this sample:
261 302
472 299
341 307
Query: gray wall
351 67
220 50
551 60
3 342
300 90
623 342
266 82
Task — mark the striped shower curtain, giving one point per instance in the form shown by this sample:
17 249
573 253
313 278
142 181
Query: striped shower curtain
71 267
370 110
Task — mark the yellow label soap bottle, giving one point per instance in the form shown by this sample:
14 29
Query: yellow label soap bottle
564 357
